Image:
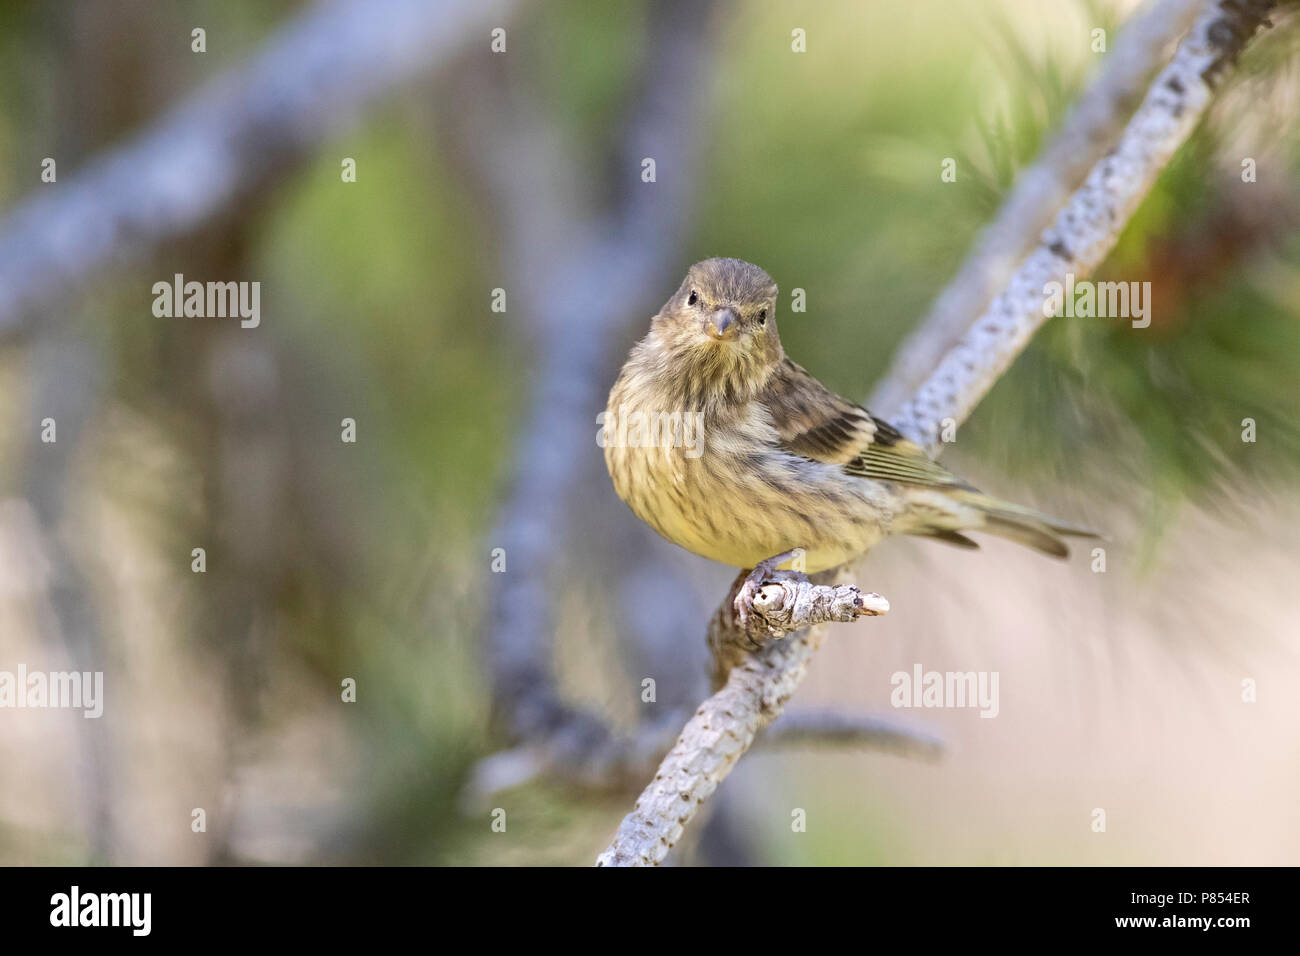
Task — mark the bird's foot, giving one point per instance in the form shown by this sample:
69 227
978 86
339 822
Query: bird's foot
754 581
769 604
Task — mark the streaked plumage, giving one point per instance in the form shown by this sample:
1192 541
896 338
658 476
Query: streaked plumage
785 462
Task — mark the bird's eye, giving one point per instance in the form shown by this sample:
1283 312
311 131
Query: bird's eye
762 317
692 298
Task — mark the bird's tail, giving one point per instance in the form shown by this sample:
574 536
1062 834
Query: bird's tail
1024 525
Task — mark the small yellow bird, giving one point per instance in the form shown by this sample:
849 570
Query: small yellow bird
726 447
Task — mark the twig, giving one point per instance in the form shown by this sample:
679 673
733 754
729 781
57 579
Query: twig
605 763
873 731
788 601
517 766
759 685
791 602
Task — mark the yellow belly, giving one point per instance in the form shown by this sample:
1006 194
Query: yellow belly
710 506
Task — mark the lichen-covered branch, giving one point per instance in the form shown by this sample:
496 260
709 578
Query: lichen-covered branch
1089 225
791 602
1086 132
788 601
759 684
724 727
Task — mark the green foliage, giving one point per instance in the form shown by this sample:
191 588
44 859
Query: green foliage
1223 346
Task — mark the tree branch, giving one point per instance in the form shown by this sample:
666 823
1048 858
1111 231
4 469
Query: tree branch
873 731
1088 128
759 684
724 727
1088 227
787 602
236 134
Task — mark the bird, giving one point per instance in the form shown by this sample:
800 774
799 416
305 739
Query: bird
726 447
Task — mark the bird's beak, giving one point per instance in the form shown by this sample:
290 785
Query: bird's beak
723 324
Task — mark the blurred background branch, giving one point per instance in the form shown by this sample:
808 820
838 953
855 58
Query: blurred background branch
229 140
575 282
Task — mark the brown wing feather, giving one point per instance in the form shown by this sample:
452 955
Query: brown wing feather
815 423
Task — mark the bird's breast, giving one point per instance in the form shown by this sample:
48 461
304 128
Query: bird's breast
719 486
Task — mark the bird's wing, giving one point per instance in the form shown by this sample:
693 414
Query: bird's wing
813 422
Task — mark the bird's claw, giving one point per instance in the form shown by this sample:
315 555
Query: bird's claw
748 591
745 601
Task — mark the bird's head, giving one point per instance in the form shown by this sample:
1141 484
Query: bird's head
721 322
